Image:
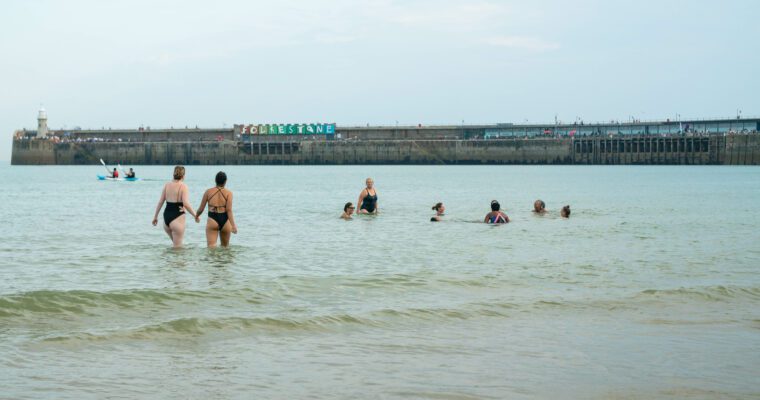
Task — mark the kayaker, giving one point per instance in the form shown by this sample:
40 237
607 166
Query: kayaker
115 173
130 173
219 201
176 195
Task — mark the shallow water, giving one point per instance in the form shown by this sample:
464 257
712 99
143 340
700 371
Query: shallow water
650 289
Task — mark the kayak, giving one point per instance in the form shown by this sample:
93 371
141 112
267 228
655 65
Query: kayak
108 178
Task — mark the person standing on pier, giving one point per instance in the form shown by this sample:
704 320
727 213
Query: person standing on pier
175 194
219 201
368 199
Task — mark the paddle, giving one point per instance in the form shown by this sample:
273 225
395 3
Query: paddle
106 167
123 173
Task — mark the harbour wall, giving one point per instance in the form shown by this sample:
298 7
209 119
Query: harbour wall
713 150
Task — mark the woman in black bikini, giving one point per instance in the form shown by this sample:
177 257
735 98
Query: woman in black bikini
221 221
175 194
368 199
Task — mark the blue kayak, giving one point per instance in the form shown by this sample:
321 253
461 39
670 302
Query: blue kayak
108 178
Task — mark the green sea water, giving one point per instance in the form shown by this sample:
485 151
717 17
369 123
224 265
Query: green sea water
650 290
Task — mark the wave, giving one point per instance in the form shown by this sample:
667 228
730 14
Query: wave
86 302
196 326
113 303
705 293
169 327
81 302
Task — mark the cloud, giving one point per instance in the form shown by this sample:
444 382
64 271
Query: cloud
530 43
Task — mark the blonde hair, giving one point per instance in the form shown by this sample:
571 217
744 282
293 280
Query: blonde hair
179 172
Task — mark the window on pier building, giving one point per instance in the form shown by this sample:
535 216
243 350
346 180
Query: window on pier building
743 126
533 132
631 129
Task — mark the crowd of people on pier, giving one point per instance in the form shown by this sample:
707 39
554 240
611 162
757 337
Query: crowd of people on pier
220 224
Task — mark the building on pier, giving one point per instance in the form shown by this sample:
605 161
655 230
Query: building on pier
657 128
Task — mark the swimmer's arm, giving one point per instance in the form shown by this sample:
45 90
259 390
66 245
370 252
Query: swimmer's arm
230 214
486 218
160 203
362 195
185 202
204 200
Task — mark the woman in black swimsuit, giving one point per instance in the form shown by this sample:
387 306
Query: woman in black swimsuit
221 221
368 199
175 194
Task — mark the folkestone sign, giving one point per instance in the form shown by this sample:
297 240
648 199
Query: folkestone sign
289 129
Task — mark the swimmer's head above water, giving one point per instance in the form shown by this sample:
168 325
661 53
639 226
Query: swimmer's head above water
539 206
496 216
348 209
370 183
439 210
565 213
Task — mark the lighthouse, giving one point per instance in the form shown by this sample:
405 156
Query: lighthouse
42 129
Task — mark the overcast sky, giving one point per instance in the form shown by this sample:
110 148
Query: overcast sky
209 63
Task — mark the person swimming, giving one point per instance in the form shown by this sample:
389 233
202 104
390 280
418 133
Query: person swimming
348 209
565 212
175 194
219 200
368 199
496 216
439 210
539 207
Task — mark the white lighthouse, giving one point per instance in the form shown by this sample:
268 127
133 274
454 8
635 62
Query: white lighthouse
42 129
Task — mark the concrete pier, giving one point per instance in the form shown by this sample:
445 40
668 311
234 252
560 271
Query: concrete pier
736 149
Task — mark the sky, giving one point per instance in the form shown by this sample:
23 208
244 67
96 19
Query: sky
123 64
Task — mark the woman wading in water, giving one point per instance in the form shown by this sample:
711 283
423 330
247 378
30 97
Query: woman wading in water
368 199
175 194
221 221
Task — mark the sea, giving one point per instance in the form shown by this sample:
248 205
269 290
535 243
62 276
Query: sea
651 289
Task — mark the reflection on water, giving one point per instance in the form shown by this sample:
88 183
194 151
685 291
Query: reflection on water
220 256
